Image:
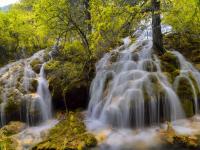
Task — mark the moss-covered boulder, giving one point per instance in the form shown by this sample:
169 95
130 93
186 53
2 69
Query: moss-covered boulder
67 81
170 66
12 128
187 89
36 65
69 134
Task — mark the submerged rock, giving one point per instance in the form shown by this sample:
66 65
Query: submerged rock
171 140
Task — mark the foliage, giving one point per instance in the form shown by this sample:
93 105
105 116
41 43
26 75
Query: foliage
111 21
184 16
20 35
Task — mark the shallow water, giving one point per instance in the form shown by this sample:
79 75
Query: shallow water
140 139
33 135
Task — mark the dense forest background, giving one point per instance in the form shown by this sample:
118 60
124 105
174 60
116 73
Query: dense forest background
85 28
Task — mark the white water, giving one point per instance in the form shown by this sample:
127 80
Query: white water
44 95
34 105
30 136
124 99
119 89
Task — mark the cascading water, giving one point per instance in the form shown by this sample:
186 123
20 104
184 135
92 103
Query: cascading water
24 92
191 75
131 91
44 95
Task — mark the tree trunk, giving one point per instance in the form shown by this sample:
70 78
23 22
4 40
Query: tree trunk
156 28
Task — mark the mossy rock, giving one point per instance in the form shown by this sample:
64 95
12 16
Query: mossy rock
156 87
171 59
114 56
185 93
12 106
170 64
135 56
36 65
69 134
34 85
67 79
12 128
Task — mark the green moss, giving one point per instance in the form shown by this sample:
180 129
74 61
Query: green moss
34 85
12 105
6 140
188 107
36 65
12 128
185 93
6 143
68 134
170 64
156 87
195 84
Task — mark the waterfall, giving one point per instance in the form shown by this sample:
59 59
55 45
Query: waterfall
44 95
131 90
24 91
131 97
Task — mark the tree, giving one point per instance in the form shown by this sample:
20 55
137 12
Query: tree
88 15
156 28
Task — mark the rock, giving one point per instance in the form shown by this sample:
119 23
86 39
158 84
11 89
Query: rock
114 56
135 56
66 80
34 85
36 65
185 93
70 133
12 128
171 140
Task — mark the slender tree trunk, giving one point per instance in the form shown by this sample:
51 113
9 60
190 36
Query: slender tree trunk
156 27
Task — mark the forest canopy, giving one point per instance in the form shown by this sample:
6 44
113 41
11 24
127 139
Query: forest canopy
94 26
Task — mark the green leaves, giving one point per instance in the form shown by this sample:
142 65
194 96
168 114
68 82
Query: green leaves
184 16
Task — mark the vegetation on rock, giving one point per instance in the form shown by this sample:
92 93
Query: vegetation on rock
70 133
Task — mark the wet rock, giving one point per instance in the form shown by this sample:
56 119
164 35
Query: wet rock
36 65
114 56
12 128
34 85
186 94
135 57
169 62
